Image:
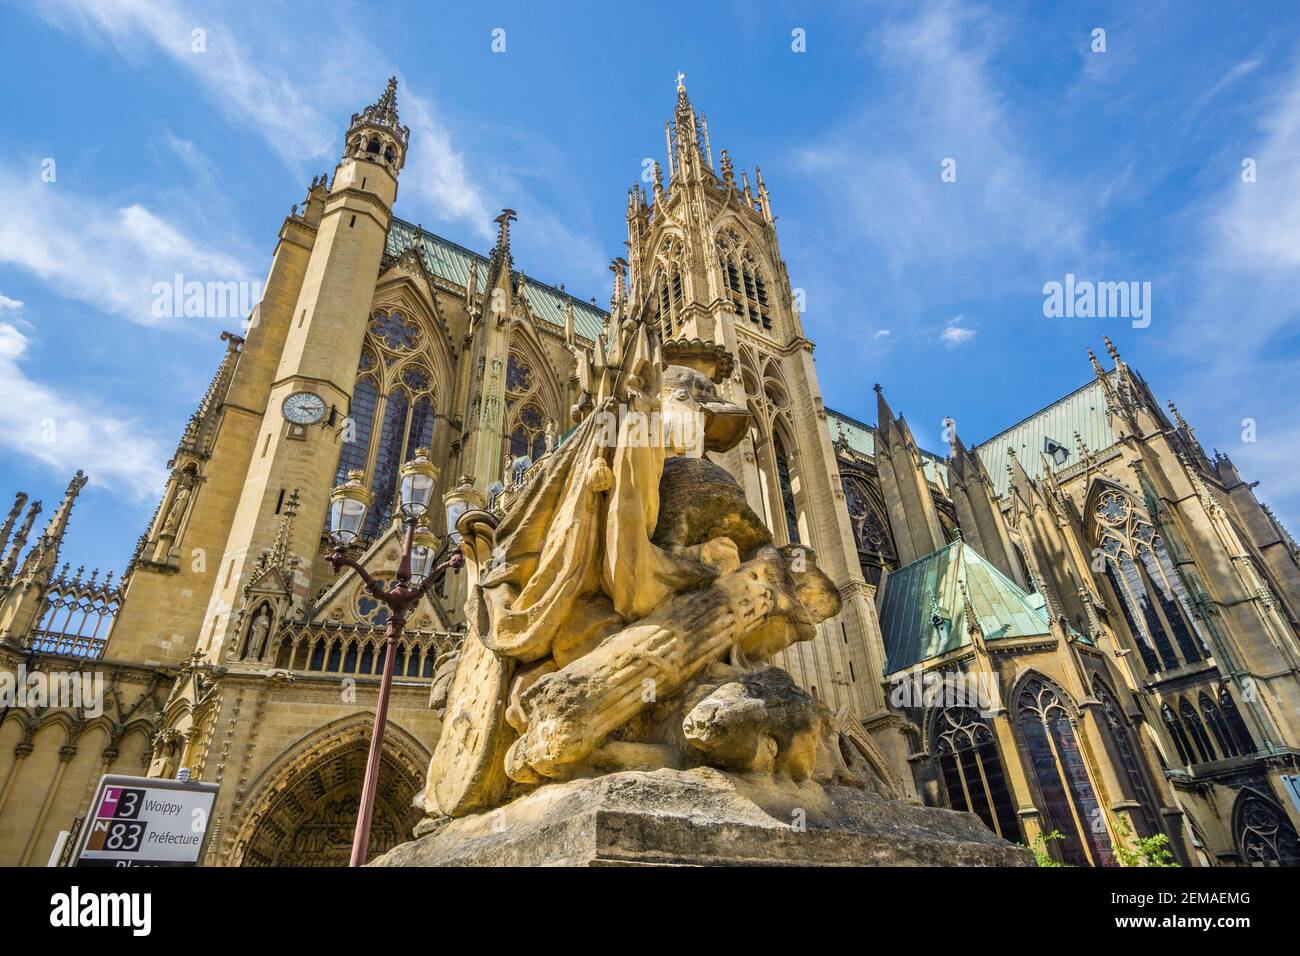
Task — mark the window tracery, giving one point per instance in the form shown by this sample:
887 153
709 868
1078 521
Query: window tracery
742 280
870 531
526 417
392 412
1126 749
1068 798
971 769
668 296
1264 835
1151 592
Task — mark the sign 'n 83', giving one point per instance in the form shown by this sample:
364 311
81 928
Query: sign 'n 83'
143 821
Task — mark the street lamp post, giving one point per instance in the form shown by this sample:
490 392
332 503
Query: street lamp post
416 574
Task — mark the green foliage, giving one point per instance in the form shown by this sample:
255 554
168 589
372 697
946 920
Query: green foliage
1147 851
1039 848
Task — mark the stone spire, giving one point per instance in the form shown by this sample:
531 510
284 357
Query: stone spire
500 254
913 517
383 112
376 135
19 542
979 516
200 430
20 499
43 558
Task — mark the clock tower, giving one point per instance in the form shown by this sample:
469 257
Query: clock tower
310 352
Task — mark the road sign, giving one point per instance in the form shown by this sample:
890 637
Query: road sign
144 821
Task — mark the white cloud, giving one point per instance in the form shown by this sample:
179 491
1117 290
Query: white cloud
955 333
882 334
66 432
943 102
8 303
106 256
234 77
436 171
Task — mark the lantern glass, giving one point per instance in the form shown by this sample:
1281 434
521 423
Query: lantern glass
455 508
423 551
348 504
418 477
346 516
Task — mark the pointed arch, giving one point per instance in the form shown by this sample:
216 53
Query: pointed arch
789 485
965 752
1150 590
1046 722
1262 833
532 396
1126 757
325 767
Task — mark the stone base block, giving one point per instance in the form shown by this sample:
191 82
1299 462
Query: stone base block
705 817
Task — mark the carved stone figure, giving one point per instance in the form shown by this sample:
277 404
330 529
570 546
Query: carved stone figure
177 511
598 606
257 632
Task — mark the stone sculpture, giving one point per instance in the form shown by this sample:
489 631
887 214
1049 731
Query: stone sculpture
593 609
622 614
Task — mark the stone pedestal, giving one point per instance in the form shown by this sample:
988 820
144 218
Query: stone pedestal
705 817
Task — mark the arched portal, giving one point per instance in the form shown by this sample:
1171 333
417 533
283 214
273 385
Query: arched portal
305 812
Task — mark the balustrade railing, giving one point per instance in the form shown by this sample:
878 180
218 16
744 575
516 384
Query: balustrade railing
358 650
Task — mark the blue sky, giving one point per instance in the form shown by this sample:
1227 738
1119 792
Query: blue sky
1122 165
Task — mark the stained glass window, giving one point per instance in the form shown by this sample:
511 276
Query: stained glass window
1070 802
1150 589
356 433
870 533
519 377
1264 835
388 460
1121 738
787 490
372 610
972 770
394 330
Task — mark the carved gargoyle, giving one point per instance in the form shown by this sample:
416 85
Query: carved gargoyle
629 571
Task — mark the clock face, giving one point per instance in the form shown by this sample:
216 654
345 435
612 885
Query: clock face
304 408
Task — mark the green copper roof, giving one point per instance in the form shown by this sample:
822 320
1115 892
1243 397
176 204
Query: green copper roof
932 585
450 261
1082 411
862 439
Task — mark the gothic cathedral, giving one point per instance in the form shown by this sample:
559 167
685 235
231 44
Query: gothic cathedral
1085 630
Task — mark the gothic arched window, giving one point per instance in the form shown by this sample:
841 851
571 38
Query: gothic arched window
971 769
1264 836
1232 718
1218 726
1069 801
392 412
668 295
742 280
1126 752
1196 730
526 418
870 532
1175 728
1150 590
787 489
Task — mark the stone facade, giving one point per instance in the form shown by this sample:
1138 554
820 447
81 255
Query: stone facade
1162 676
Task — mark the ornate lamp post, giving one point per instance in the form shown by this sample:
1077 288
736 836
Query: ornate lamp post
416 574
